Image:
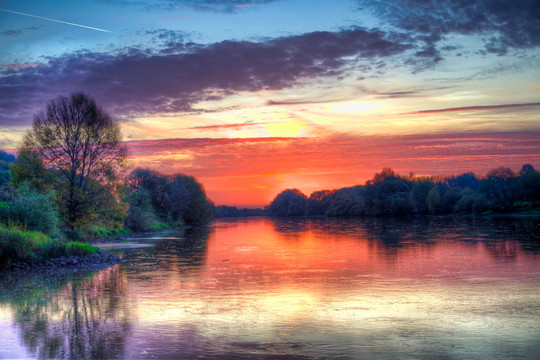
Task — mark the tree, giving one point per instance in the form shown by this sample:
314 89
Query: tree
167 197
187 200
499 187
79 139
290 202
29 169
529 183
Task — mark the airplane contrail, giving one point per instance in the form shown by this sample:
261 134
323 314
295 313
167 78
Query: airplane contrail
58 21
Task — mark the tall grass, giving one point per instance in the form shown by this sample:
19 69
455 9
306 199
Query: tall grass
18 244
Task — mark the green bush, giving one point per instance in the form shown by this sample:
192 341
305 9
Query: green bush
81 249
31 209
30 246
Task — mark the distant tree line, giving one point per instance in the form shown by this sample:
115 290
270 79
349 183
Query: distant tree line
223 211
500 190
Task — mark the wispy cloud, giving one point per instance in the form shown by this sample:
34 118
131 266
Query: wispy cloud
220 127
18 32
473 108
55 20
222 6
19 66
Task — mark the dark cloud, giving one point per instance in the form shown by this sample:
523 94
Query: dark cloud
20 31
502 24
141 81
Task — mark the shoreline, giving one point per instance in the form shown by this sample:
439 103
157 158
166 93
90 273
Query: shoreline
82 262
90 261
120 238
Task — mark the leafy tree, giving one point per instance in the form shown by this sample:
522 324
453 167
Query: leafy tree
155 184
141 216
529 183
194 207
346 202
419 193
433 201
499 187
386 173
388 194
172 198
74 136
449 200
318 202
28 168
290 202
467 180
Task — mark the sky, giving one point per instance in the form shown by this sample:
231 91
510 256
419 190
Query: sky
255 96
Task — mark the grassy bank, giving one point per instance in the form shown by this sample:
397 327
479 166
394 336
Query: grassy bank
92 233
19 245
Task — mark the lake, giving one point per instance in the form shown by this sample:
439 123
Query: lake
260 288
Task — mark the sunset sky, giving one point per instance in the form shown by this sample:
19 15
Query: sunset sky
255 96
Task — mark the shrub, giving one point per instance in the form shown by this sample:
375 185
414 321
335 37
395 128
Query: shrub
81 249
31 209
31 246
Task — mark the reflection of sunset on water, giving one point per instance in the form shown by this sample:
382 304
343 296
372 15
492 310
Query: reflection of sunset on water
349 288
282 276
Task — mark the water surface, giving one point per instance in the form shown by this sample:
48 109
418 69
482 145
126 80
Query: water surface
292 288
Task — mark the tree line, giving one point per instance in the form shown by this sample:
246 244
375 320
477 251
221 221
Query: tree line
72 177
501 190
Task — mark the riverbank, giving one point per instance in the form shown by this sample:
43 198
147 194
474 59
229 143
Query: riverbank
96 241
90 261
25 250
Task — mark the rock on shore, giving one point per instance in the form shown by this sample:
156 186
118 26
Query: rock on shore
75 262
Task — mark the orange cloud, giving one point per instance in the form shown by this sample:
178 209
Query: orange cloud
250 172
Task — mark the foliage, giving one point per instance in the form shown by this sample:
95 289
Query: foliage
74 136
223 211
290 202
388 193
31 209
141 216
28 169
32 246
318 202
96 232
5 161
81 249
153 198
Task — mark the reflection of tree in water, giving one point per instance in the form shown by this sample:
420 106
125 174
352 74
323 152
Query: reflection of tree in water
86 319
183 251
292 227
503 237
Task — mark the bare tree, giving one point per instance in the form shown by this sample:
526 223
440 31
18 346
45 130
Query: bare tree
80 140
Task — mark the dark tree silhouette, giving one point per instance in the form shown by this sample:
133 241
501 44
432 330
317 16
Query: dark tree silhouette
290 202
76 137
